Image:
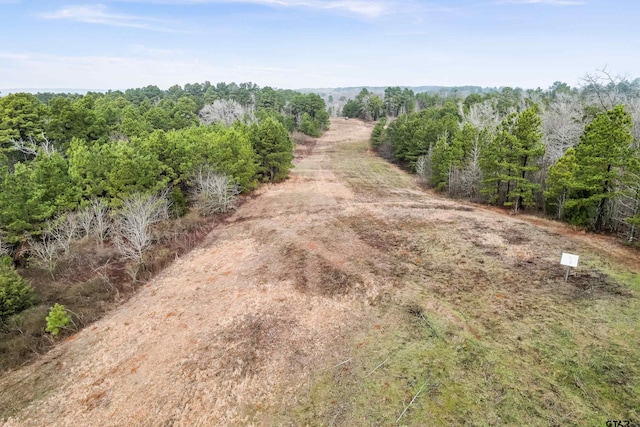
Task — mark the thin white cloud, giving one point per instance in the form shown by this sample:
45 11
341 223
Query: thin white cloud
267 70
368 9
13 55
548 2
152 52
363 8
98 14
43 70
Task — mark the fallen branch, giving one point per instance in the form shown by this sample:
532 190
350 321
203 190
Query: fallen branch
412 400
376 368
342 363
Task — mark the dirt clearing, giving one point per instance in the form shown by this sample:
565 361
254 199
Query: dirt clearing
349 296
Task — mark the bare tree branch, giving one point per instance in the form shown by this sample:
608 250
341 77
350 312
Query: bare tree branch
100 220
4 248
562 126
483 115
213 193
31 147
226 111
45 251
64 230
423 167
132 227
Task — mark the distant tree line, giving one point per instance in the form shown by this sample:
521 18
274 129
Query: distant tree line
571 152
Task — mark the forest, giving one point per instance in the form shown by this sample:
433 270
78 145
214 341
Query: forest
95 181
570 153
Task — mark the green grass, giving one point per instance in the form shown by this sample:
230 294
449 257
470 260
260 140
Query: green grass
548 378
486 341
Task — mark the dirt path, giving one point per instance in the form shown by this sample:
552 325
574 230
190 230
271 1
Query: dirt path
232 333
223 328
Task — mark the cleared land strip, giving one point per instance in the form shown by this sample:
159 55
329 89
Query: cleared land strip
349 296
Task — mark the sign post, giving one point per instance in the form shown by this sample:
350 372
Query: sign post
569 260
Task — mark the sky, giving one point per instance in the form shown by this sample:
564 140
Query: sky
292 44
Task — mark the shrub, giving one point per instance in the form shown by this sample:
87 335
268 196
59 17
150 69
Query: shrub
15 294
57 319
178 202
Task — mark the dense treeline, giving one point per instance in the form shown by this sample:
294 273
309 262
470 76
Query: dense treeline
573 153
111 165
59 152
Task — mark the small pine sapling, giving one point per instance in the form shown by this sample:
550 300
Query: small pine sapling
57 319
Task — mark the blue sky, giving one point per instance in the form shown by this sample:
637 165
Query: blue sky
314 43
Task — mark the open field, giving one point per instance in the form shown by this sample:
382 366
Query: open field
349 296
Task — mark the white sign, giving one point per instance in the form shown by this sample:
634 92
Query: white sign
569 260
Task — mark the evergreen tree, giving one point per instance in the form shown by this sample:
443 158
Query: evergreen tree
70 119
88 165
21 117
274 150
53 191
560 180
441 161
15 294
132 168
630 196
601 156
378 133
511 158
308 126
18 209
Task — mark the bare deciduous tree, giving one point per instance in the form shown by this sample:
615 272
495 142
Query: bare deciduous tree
606 90
45 251
454 182
101 221
85 221
132 225
632 106
482 115
423 167
561 126
31 147
627 205
63 230
226 111
213 193
471 174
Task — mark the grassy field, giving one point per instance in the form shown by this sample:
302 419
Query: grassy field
480 327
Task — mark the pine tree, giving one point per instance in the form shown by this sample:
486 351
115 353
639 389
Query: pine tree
21 117
441 161
511 157
630 197
524 156
15 294
560 180
274 150
601 156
